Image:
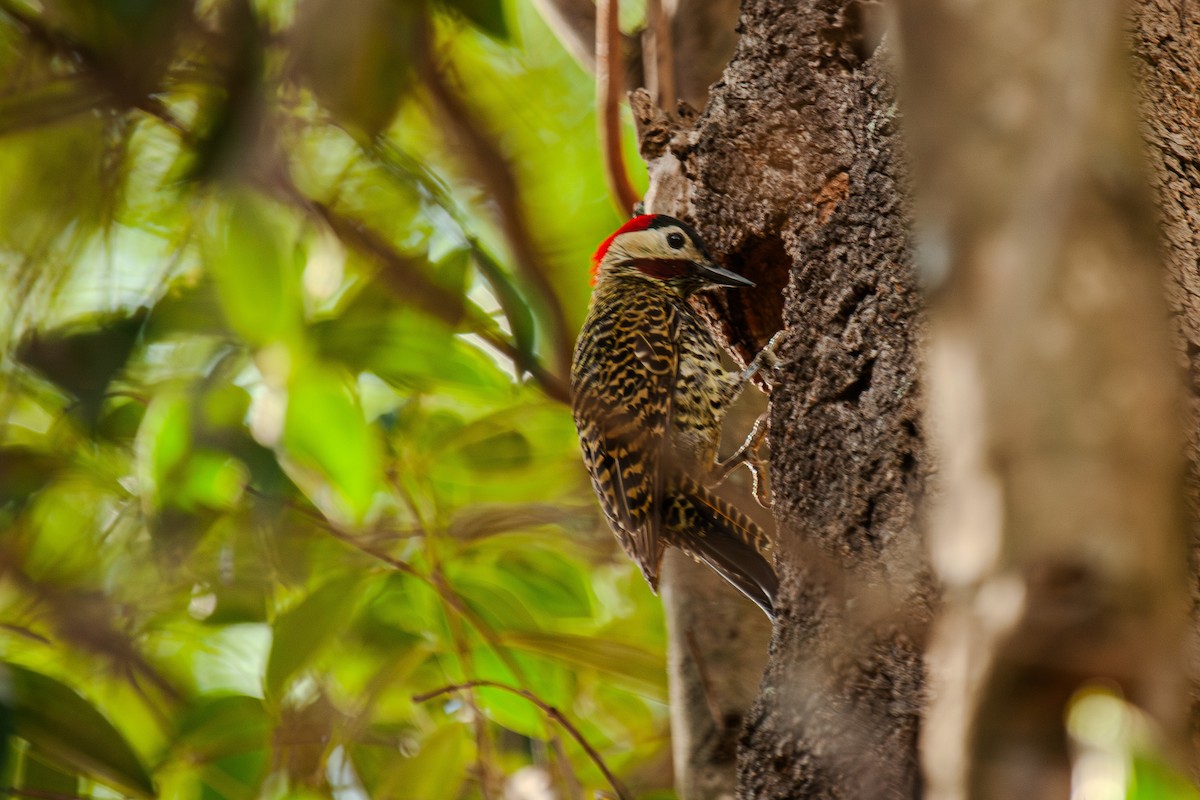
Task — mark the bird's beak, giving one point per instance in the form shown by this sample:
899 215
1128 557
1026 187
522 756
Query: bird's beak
720 276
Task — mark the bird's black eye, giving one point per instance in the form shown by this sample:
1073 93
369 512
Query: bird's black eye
675 240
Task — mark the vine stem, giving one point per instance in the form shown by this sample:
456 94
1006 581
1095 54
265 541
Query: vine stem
547 709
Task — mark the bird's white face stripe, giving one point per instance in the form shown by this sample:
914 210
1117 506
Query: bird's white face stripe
652 243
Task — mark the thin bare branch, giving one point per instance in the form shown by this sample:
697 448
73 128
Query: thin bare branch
608 104
547 709
659 54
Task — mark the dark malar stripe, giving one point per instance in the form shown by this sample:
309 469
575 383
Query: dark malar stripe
662 268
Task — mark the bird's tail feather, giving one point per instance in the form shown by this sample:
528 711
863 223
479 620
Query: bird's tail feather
730 542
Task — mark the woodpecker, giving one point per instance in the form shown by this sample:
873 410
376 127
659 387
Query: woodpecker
649 395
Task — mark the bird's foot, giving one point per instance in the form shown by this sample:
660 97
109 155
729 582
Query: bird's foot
748 454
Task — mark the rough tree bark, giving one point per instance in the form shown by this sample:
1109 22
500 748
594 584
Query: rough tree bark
1057 534
791 174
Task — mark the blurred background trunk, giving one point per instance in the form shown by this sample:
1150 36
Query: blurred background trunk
1058 531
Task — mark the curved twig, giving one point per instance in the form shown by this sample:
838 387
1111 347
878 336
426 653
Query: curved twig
608 109
547 709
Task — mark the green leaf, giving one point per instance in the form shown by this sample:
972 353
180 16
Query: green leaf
121 419
638 669
554 583
497 604
436 770
225 725
302 632
512 301
41 775
188 307
326 434
237 777
224 406
1155 779
212 480
403 347
52 717
551 682
486 15
163 441
256 279
503 451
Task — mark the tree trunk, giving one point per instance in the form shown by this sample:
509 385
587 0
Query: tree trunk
791 175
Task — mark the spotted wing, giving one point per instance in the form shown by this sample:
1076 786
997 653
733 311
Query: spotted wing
623 379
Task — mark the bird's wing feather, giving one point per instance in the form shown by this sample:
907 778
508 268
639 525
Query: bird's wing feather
727 540
623 412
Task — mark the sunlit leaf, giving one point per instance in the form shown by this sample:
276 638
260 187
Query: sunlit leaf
211 479
163 440
121 419
516 307
403 347
55 719
325 431
556 583
190 307
495 603
235 777
256 277
224 406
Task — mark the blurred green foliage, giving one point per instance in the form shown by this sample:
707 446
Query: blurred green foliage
282 439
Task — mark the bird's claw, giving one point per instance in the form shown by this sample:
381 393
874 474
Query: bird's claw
767 363
748 454
762 492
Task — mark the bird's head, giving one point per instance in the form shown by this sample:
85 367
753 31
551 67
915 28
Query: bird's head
663 249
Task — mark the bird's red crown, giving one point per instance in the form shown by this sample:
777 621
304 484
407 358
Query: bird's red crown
638 223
